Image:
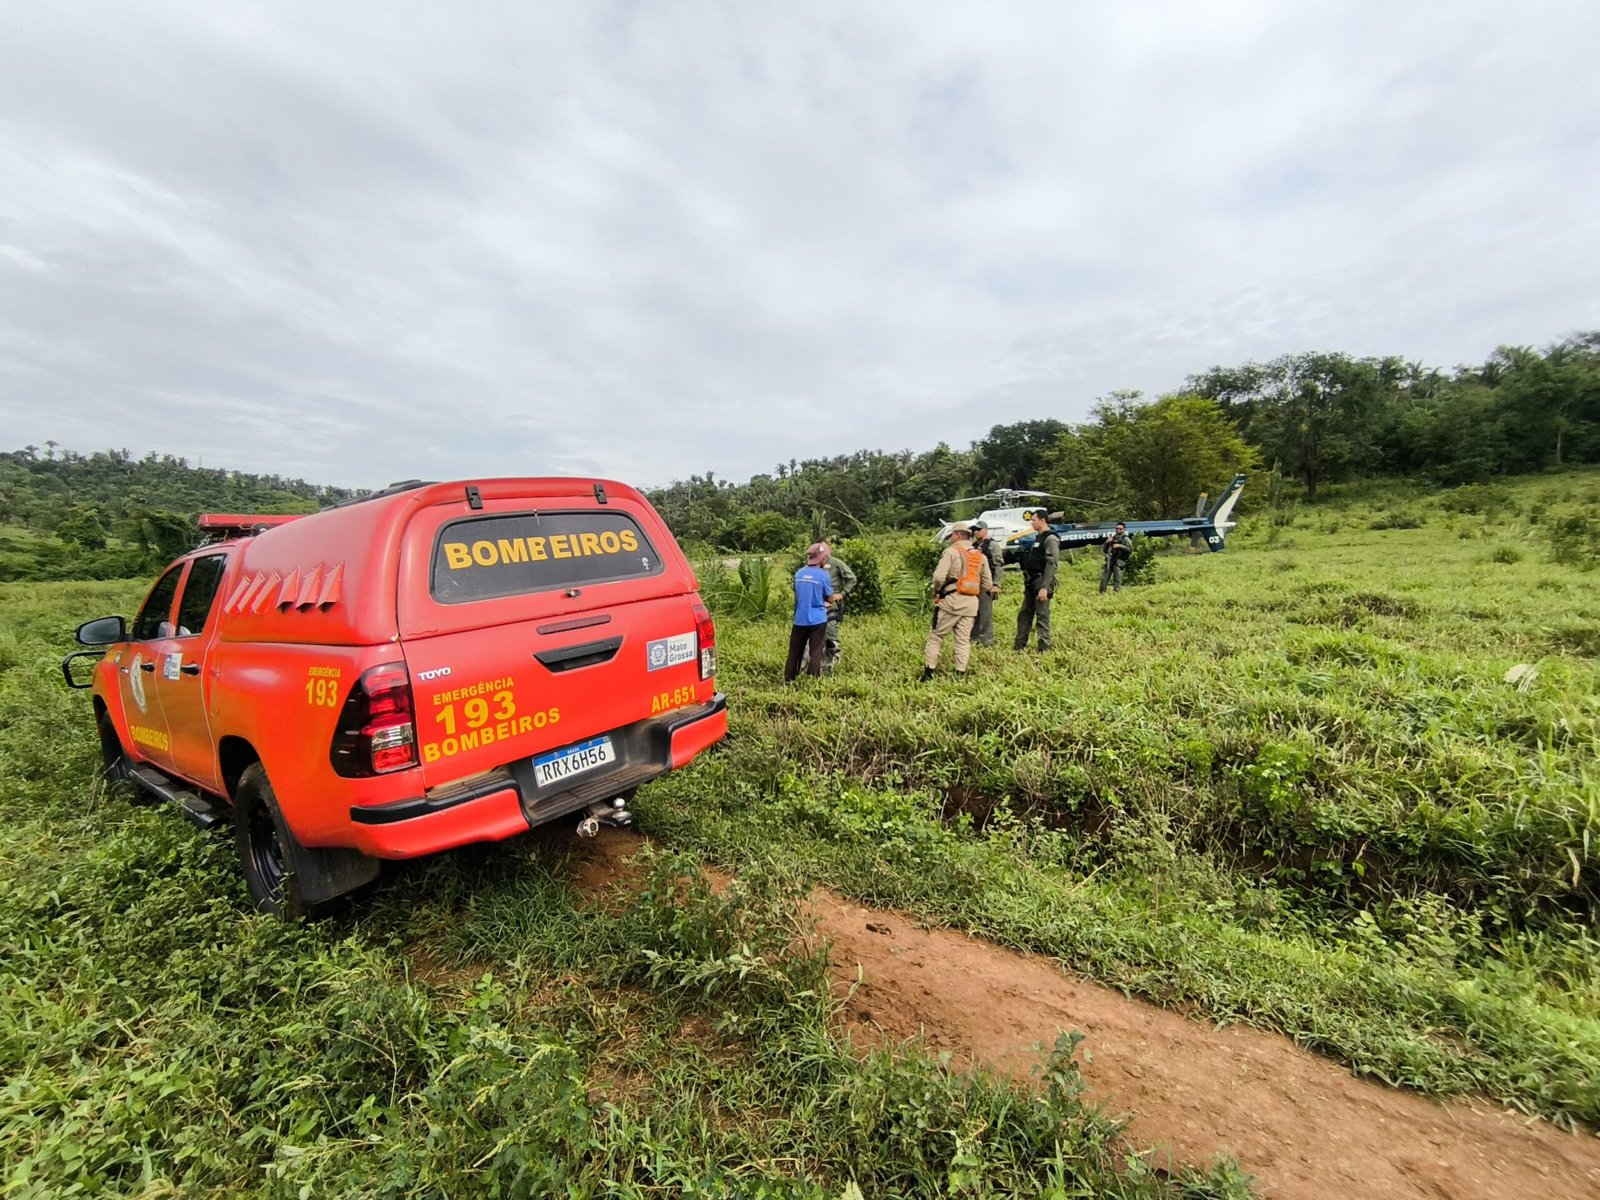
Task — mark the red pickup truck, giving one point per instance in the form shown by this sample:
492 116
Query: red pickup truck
433 665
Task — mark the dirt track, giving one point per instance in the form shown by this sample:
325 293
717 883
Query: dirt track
1303 1126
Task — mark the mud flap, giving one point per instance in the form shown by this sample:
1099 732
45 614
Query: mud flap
322 874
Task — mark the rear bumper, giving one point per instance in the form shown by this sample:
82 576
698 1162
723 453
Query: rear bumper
509 801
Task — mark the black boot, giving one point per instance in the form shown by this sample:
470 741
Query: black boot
927 674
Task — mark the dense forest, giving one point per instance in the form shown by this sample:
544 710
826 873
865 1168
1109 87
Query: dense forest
108 515
1315 419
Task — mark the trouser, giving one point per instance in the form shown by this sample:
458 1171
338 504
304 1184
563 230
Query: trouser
1111 573
804 638
945 622
830 643
1035 612
983 627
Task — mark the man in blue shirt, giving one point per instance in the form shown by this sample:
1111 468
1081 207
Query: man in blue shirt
813 591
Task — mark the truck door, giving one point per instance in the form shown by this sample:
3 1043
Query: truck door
136 673
181 680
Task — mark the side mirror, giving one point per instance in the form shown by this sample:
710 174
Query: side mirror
72 671
103 632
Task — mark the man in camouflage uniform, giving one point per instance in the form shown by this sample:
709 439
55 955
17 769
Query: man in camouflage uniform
1118 548
844 582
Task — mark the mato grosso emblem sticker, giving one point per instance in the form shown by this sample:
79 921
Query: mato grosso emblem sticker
136 680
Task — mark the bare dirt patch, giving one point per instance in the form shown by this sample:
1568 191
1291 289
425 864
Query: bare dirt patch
1301 1124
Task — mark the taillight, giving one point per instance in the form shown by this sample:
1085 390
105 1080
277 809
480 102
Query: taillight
376 733
706 632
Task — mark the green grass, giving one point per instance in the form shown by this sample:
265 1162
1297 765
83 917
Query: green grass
475 1026
1290 784
1293 784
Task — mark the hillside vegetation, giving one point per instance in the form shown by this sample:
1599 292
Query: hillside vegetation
1310 420
1314 420
108 515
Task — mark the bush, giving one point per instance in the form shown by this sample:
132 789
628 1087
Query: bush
750 592
1575 540
863 560
762 532
1475 498
1398 519
1506 554
1141 565
919 554
908 591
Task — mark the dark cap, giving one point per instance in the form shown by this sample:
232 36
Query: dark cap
977 525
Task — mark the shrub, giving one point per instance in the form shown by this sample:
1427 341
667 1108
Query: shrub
1141 565
909 591
1575 540
919 554
1475 498
1506 554
863 560
750 592
762 532
1398 519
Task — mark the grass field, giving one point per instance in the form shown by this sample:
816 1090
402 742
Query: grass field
1292 784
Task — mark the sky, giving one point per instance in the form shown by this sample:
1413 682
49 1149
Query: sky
361 242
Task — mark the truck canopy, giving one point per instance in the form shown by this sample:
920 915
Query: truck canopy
450 556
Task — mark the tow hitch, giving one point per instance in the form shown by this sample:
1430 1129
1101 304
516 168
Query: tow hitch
606 812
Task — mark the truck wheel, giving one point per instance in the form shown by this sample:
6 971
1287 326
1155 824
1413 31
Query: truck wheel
115 766
263 841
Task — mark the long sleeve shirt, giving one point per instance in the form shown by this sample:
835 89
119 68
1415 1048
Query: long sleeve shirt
952 564
842 577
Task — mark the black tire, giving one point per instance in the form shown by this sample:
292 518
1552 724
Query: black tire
116 768
263 841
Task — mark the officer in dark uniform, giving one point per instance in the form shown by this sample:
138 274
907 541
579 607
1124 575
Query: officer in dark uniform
1038 583
983 631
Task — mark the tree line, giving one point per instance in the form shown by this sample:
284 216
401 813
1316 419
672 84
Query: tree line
1319 418
109 515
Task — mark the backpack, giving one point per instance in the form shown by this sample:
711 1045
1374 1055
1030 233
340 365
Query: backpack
971 581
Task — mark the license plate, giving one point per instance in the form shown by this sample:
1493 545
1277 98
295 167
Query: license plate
572 760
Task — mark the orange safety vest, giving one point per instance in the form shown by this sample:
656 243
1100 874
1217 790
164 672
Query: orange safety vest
971 581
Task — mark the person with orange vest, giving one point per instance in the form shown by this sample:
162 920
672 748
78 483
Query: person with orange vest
960 578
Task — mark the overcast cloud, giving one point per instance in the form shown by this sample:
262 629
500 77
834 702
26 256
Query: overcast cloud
365 241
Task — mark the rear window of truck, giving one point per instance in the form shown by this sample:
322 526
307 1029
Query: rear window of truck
481 558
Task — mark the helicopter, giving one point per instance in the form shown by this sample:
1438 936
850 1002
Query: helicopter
1013 528
1006 523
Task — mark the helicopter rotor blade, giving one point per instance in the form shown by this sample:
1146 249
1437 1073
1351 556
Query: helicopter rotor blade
1074 499
1081 500
956 500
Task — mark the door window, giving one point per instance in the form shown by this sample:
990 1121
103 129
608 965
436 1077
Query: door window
155 618
199 594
